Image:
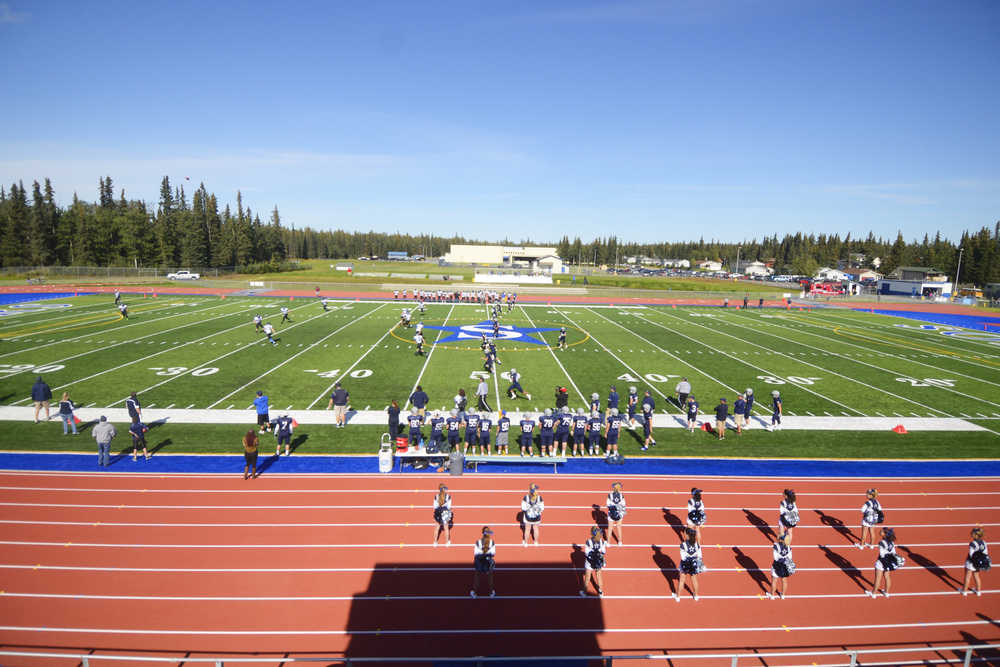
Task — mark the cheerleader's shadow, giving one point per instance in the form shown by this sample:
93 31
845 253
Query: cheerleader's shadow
668 568
600 517
837 525
932 567
847 567
675 522
578 558
750 565
760 525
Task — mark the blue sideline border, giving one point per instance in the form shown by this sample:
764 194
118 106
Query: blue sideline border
10 298
974 322
180 463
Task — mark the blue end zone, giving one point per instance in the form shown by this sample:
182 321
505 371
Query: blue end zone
635 466
14 297
974 322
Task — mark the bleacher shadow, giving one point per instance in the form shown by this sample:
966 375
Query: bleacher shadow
416 609
847 567
983 656
932 567
750 565
166 442
675 522
761 525
838 525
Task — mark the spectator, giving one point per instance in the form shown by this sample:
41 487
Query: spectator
482 391
41 394
683 390
134 408
66 408
261 403
419 400
138 431
461 404
721 415
250 454
393 411
338 401
104 433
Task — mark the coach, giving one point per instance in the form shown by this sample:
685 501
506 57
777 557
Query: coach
419 400
338 401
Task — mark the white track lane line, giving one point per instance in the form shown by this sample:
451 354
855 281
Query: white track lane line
429 598
745 362
559 363
865 363
326 391
493 631
297 354
427 361
418 545
203 364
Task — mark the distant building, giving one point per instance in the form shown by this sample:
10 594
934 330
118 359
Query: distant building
710 265
826 273
929 289
757 269
677 263
397 255
859 275
526 257
917 273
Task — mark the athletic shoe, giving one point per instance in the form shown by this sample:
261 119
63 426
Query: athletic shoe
583 594
524 543
861 546
434 544
493 594
870 594
885 593
769 596
529 396
472 594
979 593
448 544
964 592
677 598
695 598
643 448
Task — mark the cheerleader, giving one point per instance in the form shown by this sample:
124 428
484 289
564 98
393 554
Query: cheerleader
532 505
443 515
888 560
616 511
782 566
484 552
691 563
871 514
788 514
978 561
696 512
593 564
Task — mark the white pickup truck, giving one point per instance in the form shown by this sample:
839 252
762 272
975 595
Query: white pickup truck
183 275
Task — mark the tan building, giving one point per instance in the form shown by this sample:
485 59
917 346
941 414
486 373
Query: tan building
533 258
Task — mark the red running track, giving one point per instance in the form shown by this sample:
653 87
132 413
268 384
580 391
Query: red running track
343 565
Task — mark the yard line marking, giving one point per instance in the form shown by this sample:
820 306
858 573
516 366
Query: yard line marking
423 368
555 358
297 354
828 315
188 371
189 407
489 631
167 408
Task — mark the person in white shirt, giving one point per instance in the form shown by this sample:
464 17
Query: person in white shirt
616 511
593 563
484 553
696 512
443 515
683 389
887 561
788 514
532 505
269 332
782 566
258 322
977 561
871 514
691 563
325 303
284 315
418 339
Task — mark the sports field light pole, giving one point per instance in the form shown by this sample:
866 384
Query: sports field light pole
738 248
958 271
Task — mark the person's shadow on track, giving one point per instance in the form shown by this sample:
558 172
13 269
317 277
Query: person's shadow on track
847 567
837 525
668 568
674 521
750 565
600 517
932 567
760 525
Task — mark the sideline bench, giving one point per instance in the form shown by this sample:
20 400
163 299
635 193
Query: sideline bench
419 454
476 459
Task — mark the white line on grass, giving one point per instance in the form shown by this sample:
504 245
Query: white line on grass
63 314
345 373
559 363
311 346
428 359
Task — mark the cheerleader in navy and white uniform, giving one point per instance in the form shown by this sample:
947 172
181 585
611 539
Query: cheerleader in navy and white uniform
594 552
532 505
691 563
782 566
443 515
871 514
978 561
616 511
788 514
696 512
888 560
484 553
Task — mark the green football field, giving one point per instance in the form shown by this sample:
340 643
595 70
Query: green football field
204 352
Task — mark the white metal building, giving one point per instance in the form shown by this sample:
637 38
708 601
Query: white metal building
526 257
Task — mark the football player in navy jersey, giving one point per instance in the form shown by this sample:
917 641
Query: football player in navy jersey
630 403
594 426
775 410
562 338
595 402
437 431
453 424
613 398
739 412
485 424
648 400
546 424
579 432
748 410
564 420
414 421
647 427
515 387
527 434
612 430
283 427
471 431
503 432
692 413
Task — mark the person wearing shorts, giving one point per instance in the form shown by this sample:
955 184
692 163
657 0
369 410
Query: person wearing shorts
977 561
527 434
250 454
696 512
338 401
263 415
887 561
782 566
532 506
283 429
593 563
484 553
41 394
443 516
503 432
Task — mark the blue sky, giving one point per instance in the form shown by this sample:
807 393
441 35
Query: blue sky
653 120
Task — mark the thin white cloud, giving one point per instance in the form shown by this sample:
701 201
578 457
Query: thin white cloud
9 15
911 194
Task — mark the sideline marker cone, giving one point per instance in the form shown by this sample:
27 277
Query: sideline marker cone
899 428
291 298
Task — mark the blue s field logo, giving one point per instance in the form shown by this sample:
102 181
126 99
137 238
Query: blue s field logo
476 332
